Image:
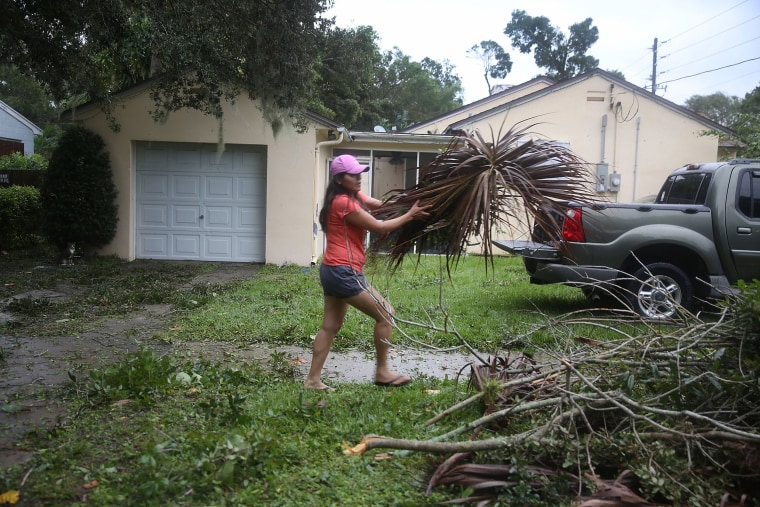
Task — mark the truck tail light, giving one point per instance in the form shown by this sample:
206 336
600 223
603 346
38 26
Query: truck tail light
572 226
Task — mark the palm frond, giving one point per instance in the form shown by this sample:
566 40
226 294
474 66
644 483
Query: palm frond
476 187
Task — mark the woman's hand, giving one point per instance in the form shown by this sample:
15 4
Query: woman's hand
417 211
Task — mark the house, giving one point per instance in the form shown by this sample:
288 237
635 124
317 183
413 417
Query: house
192 188
16 132
631 137
184 195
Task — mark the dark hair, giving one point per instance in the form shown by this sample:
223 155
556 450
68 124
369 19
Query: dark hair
331 192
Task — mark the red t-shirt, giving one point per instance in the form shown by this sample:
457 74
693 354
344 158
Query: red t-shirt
345 242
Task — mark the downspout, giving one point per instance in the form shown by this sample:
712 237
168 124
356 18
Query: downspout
604 137
315 196
636 157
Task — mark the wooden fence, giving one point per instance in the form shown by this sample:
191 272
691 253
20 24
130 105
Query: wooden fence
21 178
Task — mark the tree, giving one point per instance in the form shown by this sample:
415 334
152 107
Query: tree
719 107
201 52
747 124
742 116
496 62
407 92
78 194
345 73
563 57
26 96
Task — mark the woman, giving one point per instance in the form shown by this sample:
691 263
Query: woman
345 218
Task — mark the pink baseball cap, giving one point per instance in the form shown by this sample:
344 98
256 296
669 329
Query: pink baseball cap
346 164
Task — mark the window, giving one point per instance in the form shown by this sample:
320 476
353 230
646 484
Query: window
748 200
685 189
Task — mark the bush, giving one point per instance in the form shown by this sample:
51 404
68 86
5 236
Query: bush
78 194
19 162
20 217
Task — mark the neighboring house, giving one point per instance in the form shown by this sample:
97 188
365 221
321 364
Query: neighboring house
258 199
632 137
16 132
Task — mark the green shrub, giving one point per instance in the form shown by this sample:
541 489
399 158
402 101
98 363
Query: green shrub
78 194
20 216
19 162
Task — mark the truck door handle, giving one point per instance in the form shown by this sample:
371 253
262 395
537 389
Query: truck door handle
743 230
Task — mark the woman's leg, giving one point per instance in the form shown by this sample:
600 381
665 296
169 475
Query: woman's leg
371 303
335 312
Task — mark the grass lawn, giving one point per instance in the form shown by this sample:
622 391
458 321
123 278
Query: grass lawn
165 430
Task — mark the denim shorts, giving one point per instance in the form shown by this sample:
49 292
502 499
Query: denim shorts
341 281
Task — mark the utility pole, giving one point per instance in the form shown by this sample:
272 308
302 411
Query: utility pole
654 65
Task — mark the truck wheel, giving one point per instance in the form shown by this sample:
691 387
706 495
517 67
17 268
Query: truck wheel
659 289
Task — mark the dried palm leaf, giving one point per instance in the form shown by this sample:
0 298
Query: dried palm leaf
476 187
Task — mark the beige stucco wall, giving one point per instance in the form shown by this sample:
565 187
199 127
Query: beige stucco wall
291 166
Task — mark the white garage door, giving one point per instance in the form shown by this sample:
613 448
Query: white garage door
193 203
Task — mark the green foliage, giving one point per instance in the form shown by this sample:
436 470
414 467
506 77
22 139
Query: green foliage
406 92
20 216
78 194
25 94
46 144
719 107
273 444
264 49
747 127
345 73
143 376
742 116
748 305
563 57
361 87
20 162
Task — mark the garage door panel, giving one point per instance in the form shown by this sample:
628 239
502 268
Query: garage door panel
153 157
252 162
186 246
218 217
153 186
153 215
248 247
187 157
178 183
254 190
220 163
218 187
250 218
186 187
154 246
218 247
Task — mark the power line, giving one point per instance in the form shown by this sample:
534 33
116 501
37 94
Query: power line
711 37
706 21
713 54
711 18
708 71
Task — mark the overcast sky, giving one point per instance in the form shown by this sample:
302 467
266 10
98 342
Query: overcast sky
695 37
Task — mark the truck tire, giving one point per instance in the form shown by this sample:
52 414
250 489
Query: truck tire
659 290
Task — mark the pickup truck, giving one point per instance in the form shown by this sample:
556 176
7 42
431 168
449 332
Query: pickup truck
694 242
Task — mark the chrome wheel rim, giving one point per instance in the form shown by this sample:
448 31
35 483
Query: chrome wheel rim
659 296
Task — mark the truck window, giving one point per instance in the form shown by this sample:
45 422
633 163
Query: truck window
749 194
685 189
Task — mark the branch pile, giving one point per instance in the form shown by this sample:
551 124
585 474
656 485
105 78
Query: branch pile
666 412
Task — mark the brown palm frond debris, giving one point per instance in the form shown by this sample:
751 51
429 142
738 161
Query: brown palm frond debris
476 187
